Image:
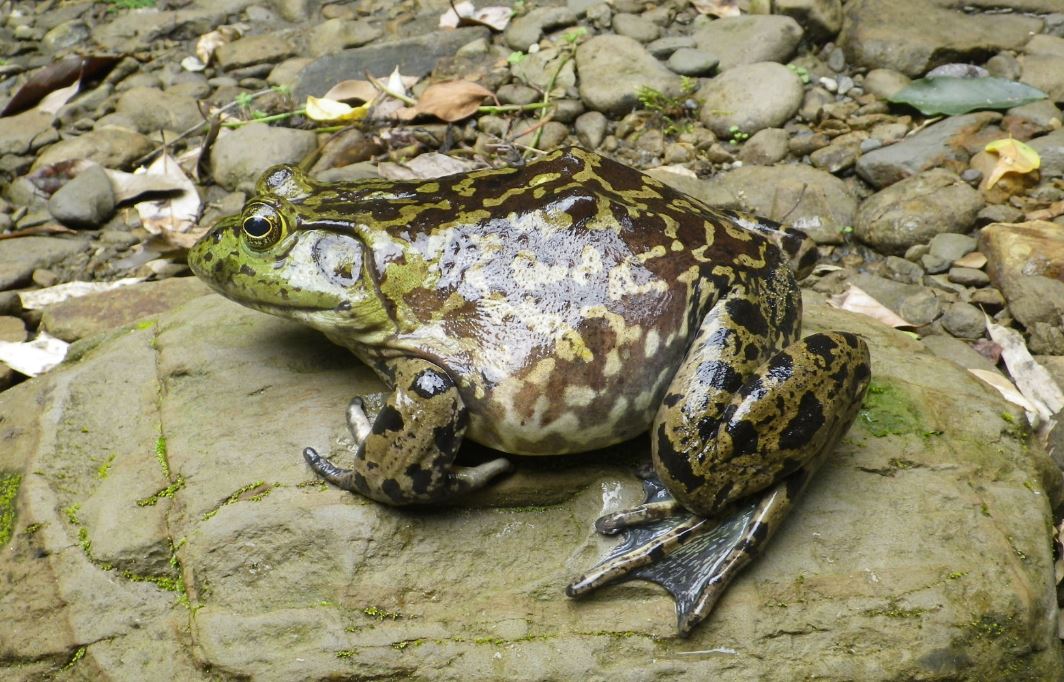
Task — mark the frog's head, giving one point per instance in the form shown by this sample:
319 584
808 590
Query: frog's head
274 256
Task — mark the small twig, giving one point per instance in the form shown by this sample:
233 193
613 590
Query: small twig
266 119
545 116
409 101
502 108
49 228
199 126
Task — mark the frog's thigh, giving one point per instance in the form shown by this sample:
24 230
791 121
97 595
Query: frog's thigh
407 454
793 408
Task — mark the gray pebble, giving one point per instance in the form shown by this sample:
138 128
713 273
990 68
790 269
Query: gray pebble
901 270
517 94
663 47
989 297
921 308
969 277
950 246
837 60
870 144
973 176
964 321
916 252
87 201
934 264
1000 213
687 61
566 110
765 147
590 128
635 27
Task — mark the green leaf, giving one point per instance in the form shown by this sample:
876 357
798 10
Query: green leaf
949 95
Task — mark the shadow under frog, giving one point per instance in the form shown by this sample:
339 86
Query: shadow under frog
561 307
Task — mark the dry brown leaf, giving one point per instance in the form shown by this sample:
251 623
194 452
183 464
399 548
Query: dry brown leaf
856 300
452 101
50 178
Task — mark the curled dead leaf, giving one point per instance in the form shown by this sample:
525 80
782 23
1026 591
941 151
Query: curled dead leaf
361 91
54 100
857 300
211 41
1013 156
73 69
173 218
452 101
1034 382
327 110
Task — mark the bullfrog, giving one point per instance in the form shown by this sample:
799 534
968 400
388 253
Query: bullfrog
559 307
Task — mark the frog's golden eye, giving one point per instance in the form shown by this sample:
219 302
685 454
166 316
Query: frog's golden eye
263 226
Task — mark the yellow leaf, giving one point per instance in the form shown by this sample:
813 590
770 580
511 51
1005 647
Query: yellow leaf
323 109
1013 157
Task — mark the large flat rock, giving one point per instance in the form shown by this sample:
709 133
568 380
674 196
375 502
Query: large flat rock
921 551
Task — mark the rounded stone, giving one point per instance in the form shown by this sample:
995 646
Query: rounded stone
688 61
916 209
635 27
591 128
86 201
614 68
964 320
969 277
750 97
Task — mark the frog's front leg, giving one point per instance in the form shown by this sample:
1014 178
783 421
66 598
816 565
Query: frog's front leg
734 446
406 455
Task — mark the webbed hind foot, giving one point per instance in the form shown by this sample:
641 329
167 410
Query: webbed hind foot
692 557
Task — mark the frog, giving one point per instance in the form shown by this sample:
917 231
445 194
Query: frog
558 307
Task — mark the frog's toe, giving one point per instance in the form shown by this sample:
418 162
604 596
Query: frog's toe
341 478
611 524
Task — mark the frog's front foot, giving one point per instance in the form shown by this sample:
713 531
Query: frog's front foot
404 453
692 557
461 479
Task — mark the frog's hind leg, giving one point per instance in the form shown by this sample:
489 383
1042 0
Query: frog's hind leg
736 457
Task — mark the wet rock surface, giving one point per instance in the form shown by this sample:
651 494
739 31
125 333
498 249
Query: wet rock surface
163 542
784 115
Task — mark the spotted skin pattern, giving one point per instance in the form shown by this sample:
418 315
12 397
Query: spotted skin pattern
558 307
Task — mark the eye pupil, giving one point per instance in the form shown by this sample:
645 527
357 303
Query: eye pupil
257 226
